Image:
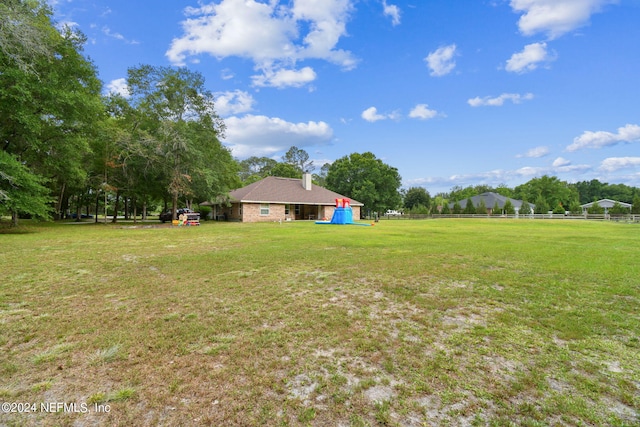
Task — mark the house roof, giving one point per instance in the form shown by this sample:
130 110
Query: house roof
288 191
606 203
490 200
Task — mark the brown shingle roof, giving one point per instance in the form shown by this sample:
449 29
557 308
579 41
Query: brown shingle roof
286 190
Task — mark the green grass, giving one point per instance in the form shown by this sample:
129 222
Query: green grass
443 322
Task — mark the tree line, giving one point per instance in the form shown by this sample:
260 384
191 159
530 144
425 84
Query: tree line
66 146
547 193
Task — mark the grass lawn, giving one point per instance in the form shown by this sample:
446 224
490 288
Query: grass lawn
410 323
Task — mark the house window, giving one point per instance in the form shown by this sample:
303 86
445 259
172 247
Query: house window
264 209
286 209
297 210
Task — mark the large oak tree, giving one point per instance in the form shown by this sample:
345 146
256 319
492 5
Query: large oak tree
173 106
366 179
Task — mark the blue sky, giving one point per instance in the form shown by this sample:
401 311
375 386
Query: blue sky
450 92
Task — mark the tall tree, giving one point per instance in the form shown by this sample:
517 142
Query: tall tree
548 189
439 203
178 111
49 96
635 207
504 190
24 32
417 196
508 207
285 170
481 209
255 168
458 193
469 208
298 158
618 192
132 159
321 178
367 179
589 191
21 192
542 206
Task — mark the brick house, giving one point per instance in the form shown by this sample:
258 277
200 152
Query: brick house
281 199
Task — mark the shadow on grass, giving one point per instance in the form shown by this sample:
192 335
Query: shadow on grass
9 228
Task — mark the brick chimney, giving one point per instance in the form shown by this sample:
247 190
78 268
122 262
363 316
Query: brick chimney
306 181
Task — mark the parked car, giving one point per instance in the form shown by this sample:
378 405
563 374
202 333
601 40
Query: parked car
168 214
392 213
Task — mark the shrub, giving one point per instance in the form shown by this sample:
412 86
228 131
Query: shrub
205 211
635 208
419 209
482 208
595 209
541 206
508 207
469 208
575 207
496 209
618 209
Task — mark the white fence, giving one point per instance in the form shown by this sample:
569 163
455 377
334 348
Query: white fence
590 217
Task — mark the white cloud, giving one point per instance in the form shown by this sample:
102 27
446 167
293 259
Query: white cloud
562 165
535 152
570 169
516 98
284 78
555 17
119 87
226 74
371 115
613 164
441 60
234 28
559 162
253 135
494 177
107 32
499 176
627 134
422 112
527 171
236 102
392 11
274 34
528 60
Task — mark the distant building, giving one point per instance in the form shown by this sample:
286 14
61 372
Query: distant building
606 204
490 199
